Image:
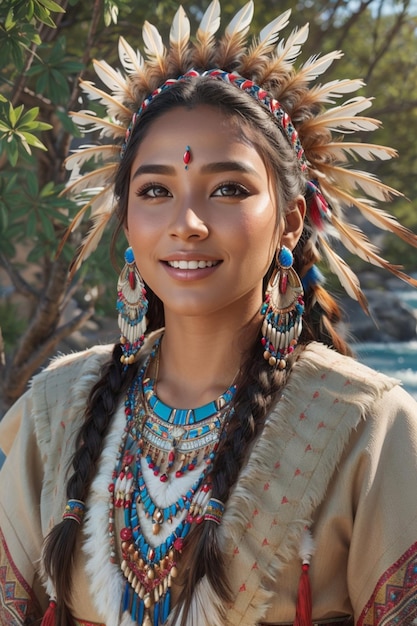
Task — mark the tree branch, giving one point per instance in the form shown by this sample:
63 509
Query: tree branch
18 375
18 281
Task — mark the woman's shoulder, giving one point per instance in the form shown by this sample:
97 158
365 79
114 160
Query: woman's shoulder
325 380
330 377
75 363
323 362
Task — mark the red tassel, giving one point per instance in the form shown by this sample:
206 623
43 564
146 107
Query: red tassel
303 615
49 617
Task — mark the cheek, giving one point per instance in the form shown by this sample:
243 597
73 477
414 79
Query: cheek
261 228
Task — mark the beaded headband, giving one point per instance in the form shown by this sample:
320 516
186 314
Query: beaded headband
281 117
305 111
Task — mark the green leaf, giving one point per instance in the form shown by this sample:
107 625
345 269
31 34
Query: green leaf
31 224
47 226
29 116
67 123
32 140
14 114
4 218
32 183
52 6
48 190
10 21
40 126
30 10
43 16
12 152
35 254
42 83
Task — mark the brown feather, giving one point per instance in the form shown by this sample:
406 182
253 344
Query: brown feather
346 276
357 243
375 215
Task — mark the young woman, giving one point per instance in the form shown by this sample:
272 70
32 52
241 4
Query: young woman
227 462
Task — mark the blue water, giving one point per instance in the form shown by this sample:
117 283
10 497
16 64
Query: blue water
397 359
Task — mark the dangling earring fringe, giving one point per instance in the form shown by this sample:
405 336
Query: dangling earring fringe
282 310
132 306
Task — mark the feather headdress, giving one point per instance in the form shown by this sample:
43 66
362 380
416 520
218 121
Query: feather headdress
268 62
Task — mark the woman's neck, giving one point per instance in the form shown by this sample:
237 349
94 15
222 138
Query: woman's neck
199 359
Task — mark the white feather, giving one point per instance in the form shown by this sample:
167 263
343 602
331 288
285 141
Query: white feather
113 105
268 34
288 51
180 29
346 276
357 179
85 119
343 116
335 89
315 65
154 46
112 78
241 21
98 178
131 60
87 152
210 22
367 151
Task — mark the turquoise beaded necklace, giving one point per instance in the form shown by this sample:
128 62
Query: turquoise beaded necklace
171 442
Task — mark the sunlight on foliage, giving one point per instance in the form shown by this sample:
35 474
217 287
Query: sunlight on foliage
16 132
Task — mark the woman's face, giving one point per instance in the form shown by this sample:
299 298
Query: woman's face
203 236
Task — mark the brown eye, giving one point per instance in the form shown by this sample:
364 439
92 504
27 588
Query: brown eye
228 190
154 191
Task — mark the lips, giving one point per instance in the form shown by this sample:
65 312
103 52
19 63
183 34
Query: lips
191 265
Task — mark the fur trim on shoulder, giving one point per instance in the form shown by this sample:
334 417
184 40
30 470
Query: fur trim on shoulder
106 578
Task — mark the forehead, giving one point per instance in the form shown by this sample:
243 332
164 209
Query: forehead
203 127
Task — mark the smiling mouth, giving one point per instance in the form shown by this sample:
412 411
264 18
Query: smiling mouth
192 265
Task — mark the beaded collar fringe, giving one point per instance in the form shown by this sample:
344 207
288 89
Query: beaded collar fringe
175 447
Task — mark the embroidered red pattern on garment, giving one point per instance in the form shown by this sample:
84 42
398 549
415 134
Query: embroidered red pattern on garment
394 600
18 604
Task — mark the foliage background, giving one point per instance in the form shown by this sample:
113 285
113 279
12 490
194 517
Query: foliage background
47 45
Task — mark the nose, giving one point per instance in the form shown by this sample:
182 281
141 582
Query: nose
188 223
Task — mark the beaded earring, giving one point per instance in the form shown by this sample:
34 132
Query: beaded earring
132 306
282 310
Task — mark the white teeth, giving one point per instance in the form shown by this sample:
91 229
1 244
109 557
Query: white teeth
191 265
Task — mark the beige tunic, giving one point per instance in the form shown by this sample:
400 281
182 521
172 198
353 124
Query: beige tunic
338 454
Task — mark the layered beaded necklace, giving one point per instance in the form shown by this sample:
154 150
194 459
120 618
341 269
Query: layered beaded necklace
162 482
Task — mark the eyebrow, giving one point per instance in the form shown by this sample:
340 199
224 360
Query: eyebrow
209 168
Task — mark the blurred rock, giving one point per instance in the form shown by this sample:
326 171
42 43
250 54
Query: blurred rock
390 319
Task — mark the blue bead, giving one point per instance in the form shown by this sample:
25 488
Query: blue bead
285 257
167 605
156 613
134 606
141 612
129 256
126 597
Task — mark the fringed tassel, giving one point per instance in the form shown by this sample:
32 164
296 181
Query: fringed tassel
49 617
304 609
